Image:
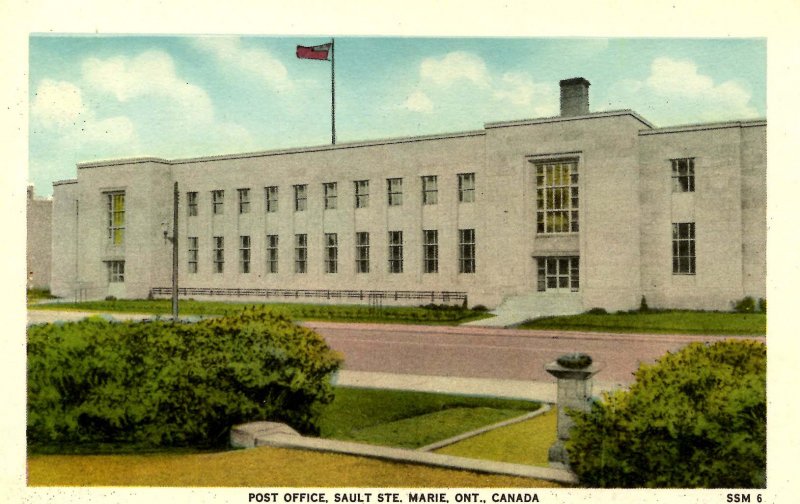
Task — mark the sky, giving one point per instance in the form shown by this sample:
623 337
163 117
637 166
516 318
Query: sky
95 97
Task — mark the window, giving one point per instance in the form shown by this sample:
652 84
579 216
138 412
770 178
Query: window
116 271
219 254
395 251
430 251
300 253
683 175
466 187
331 252
557 197
557 274
362 252
362 193
116 217
430 194
394 187
192 249
329 190
466 251
300 197
191 204
244 254
683 258
271 198
244 201
272 253
217 201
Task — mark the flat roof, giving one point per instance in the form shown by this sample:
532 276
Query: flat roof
704 127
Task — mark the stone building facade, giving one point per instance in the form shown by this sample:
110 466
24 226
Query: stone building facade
38 245
580 210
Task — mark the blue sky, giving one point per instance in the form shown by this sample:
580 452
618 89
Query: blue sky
102 97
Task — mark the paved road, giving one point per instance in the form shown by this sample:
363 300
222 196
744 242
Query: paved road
505 354
471 352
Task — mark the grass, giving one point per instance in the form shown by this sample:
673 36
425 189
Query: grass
35 295
411 419
258 467
296 311
658 322
525 442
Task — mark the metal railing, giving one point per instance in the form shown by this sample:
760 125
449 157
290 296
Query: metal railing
374 296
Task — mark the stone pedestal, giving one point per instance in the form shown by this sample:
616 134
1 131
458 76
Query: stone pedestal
574 373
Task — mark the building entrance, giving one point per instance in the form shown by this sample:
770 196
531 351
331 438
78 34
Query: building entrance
557 274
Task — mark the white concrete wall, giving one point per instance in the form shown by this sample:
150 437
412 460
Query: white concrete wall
39 238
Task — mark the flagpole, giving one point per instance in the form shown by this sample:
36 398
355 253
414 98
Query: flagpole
333 94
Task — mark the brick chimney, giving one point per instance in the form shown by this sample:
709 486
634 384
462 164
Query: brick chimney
574 96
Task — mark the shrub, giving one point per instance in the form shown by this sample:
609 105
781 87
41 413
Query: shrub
643 305
762 305
164 384
696 418
597 311
746 305
480 308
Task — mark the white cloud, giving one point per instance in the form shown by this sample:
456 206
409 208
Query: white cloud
521 90
676 92
454 67
259 62
418 102
59 106
57 103
149 74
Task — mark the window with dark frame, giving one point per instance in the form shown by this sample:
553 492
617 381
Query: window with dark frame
115 206
272 253
219 254
430 251
466 187
116 271
362 193
271 198
557 197
430 191
395 251
300 197
362 252
244 254
244 201
330 190
331 253
558 273
191 204
394 189
466 251
683 175
300 253
192 250
683 249
217 202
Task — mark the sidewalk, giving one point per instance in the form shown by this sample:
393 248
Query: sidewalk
511 389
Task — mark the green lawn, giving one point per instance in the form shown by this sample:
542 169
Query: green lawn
296 311
658 322
263 467
525 442
412 419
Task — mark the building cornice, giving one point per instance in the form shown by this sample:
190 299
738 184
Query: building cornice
545 120
705 127
283 152
65 182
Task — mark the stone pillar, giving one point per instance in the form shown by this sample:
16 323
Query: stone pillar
574 373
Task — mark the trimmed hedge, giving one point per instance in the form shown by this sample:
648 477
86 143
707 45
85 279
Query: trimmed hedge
158 384
695 419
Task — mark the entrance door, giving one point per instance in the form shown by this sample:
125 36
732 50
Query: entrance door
557 274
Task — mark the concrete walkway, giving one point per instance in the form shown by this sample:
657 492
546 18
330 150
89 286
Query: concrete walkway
511 389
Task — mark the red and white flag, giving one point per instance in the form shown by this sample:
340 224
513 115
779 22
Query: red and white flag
320 52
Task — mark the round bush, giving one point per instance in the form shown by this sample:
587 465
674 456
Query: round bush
164 384
694 419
